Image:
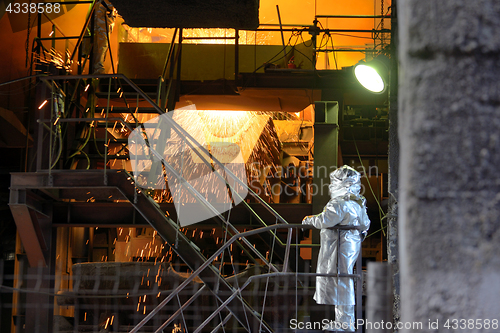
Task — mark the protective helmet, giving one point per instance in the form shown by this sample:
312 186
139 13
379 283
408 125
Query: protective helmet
345 181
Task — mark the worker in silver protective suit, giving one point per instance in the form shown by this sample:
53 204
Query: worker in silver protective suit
105 15
340 248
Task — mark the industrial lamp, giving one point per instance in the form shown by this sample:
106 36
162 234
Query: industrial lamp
373 74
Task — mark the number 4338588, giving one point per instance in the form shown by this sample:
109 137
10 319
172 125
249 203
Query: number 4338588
471 324
33 8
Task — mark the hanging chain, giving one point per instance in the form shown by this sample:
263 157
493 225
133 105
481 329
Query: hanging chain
382 14
382 34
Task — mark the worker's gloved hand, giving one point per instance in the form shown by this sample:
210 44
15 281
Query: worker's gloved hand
305 221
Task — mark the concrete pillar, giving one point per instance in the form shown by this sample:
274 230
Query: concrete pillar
449 121
379 298
393 160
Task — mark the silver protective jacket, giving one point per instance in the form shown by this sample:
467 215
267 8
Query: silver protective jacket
340 248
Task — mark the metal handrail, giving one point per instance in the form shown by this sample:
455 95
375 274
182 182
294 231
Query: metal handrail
169 54
353 16
82 34
226 245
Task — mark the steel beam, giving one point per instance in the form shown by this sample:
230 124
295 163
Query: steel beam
29 234
32 225
122 214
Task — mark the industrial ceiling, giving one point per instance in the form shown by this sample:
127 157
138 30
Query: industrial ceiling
237 14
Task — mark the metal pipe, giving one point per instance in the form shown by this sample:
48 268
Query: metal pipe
284 25
281 30
111 53
182 308
169 53
51 131
179 67
287 250
214 37
348 50
41 93
58 38
353 16
236 55
22 79
222 323
106 134
78 120
325 30
216 312
38 32
159 90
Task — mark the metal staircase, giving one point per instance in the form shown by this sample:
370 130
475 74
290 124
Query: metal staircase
120 185
81 136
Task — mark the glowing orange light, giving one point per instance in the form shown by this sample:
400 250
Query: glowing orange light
42 105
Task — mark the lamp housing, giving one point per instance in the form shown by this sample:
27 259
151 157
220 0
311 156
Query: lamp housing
373 75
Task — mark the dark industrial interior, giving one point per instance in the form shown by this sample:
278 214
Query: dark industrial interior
91 244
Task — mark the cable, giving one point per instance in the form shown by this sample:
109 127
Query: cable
91 108
95 144
381 211
381 229
304 42
243 86
59 151
294 34
305 56
88 160
334 53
